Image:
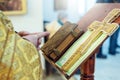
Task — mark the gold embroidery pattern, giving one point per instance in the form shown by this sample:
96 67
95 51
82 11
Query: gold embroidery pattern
19 59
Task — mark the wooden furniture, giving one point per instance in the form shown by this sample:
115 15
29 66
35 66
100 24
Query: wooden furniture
98 12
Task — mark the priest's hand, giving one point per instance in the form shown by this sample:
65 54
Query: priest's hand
35 38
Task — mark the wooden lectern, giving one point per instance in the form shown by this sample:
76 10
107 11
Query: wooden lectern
98 12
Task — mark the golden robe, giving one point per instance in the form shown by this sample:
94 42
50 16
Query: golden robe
19 58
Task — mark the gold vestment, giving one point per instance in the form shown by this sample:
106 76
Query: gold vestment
19 58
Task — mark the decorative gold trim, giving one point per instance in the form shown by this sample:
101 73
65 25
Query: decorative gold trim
114 14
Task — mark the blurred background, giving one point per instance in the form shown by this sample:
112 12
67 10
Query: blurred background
40 13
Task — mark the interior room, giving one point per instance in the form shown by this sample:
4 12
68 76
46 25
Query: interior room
31 18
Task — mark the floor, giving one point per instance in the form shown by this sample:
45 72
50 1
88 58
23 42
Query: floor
57 77
105 69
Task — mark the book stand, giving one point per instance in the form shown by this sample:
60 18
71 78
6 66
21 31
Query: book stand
98 12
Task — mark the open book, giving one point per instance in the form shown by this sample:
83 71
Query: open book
71 54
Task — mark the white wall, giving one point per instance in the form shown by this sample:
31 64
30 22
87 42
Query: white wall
50 14
32 21
48 10
75 9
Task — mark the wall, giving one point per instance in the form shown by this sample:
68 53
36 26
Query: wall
48 10
73 10
50 14
32 21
